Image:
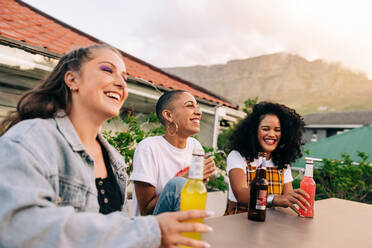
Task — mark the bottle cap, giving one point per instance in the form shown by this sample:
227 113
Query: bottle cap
261 160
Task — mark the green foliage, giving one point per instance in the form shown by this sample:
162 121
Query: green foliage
224 138
297 177
296 183
344 178
248 104
217 181
125 142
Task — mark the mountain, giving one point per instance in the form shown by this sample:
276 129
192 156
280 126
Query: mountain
307 86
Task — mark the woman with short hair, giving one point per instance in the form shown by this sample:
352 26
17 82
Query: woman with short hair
160 163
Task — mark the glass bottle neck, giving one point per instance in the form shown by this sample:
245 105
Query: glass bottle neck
196 167
309 170
261 173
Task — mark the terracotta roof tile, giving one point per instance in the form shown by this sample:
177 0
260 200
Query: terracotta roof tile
22 22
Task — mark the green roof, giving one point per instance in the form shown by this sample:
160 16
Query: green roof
359 139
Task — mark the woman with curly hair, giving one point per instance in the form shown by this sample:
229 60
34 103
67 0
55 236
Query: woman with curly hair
276 130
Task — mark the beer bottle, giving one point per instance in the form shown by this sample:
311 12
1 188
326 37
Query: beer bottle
194 193
308 184
258 191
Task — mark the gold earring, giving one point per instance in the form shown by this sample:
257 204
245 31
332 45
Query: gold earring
74 88
175 128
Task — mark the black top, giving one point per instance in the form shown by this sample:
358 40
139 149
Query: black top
109 195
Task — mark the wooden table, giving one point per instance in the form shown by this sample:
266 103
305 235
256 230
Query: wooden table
336 223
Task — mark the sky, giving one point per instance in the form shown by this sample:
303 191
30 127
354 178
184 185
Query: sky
169 33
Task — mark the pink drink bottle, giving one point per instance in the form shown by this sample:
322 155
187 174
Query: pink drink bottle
308 185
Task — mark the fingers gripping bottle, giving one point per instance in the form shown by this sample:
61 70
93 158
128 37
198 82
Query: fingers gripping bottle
194 193
258 191
308 184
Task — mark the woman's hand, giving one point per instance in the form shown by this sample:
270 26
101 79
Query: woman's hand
171 225
209 168
291 199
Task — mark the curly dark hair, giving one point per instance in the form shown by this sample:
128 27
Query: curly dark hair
244 138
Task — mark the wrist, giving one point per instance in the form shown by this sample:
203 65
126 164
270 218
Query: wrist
270 201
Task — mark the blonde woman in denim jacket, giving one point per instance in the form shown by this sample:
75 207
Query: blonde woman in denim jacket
61 183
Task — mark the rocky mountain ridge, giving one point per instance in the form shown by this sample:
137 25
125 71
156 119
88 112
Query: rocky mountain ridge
307 86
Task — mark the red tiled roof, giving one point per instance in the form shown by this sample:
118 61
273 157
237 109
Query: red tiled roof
22 22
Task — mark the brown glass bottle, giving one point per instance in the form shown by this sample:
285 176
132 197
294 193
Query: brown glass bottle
258 192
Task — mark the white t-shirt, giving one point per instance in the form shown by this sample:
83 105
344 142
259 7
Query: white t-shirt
156 161
236 160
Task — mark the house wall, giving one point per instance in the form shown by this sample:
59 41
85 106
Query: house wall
20 71
314 134
317 134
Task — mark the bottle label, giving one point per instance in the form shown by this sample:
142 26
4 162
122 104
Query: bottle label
261 199
196 168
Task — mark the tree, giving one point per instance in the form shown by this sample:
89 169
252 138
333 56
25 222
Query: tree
248 105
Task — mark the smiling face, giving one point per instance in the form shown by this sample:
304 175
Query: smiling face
185 111
101 85
269 133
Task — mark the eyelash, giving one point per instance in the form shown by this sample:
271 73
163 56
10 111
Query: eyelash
105 68
267 129
108 69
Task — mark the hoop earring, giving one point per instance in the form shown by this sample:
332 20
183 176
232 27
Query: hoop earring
175 128
282 146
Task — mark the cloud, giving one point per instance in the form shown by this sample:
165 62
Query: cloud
180 33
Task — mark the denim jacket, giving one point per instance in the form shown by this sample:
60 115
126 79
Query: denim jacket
48 196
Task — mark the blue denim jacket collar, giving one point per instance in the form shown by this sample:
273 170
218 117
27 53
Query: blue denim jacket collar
68 131
116 159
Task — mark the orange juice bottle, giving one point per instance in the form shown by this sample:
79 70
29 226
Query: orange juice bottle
308 185
194 193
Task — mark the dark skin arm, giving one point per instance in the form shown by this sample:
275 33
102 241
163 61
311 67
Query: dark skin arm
239 185
146 197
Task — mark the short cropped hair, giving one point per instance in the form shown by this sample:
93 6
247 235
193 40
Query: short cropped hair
165 101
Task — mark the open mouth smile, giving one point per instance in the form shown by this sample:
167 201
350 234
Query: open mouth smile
113 95
270 141
195 121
